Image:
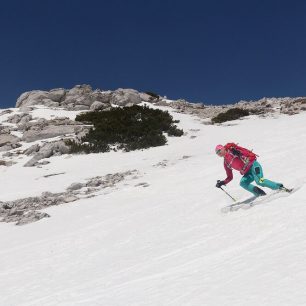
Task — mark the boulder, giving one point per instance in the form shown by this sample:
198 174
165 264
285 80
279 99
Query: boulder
79 107
102 96
147 98
32 150
80 97
17 118
50 103
30 98
75 186
47 132
46 151
122 97
57 95
6 139
97 105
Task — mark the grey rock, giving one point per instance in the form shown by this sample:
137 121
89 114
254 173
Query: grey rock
80 107
75 186
97 105
5 129
5 112
25 119
79 90
57 95
122 97
32 216
23 211
47 132
32 162
45 162
7 163
46 151
31 98
15 211
8 139
102 96
32 150
7 154
70 198
16 118
50 103
147 98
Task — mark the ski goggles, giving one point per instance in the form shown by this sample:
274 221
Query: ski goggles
218 152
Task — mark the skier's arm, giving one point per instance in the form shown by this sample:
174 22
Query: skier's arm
229 174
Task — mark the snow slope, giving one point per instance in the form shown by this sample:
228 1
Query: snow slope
168 243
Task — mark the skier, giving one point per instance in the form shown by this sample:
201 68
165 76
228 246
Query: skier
244 161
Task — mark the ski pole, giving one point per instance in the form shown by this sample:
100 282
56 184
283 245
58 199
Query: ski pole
229 195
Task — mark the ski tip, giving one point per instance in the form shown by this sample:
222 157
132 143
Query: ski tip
286 189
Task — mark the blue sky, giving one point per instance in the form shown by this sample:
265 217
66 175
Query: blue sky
204 51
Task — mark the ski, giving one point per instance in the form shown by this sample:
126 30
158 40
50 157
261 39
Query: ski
252 201
286 189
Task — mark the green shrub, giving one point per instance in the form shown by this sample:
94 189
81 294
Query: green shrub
152 94
257 111
231 114
127 128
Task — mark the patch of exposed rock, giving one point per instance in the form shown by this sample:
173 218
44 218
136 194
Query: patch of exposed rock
6 163
5 112
27 210
7 140
45 151
21 118
263 107
44 129
81 97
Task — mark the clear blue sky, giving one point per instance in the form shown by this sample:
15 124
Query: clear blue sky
204 51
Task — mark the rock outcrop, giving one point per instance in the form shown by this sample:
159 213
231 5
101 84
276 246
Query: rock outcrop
81 97
264 106
45 129
27 210
47 150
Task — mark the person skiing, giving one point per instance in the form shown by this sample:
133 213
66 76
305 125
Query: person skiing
244 161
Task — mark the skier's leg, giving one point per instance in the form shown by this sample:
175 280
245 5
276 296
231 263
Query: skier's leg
257 173
246 181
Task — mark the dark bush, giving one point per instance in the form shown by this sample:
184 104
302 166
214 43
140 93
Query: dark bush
152 94
127 128
257 111
231 114
300 100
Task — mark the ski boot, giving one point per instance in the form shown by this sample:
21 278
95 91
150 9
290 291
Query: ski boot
259 192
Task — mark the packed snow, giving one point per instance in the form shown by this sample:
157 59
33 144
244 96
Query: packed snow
160 237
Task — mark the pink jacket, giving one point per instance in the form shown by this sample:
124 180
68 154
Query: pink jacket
232 161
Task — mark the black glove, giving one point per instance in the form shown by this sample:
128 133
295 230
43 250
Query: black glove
236 152
219 183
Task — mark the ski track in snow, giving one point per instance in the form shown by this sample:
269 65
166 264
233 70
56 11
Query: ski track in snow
167 243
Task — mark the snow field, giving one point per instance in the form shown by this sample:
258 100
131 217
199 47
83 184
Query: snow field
168 243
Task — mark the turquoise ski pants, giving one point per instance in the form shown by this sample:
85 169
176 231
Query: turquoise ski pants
256 174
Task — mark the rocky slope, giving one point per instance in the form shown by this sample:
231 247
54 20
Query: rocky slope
41 122
45 136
